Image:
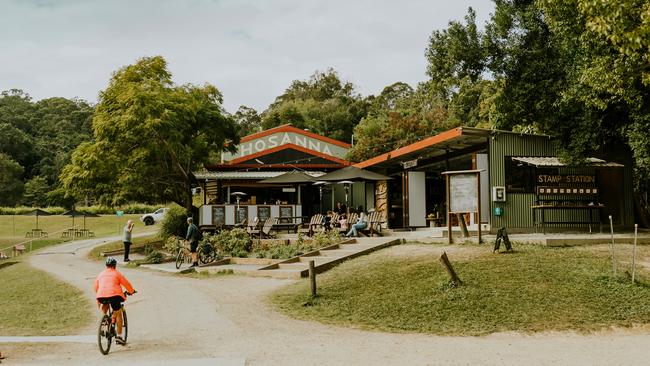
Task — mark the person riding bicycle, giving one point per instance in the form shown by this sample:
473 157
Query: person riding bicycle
108 286
192 237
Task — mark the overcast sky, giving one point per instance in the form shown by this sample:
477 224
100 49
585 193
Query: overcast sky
251 50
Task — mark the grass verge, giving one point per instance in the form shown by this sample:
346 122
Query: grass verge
138 244
534 289
35 303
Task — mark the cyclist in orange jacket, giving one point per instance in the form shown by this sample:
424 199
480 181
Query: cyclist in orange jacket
108 286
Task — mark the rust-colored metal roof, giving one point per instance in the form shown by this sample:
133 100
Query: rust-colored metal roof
555 162
454 139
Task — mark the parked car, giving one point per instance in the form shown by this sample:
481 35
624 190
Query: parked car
152 218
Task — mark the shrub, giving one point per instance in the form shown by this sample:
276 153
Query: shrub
174 223
154 257
235 242
171 245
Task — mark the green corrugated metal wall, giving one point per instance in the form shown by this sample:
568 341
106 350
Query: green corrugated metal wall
516 209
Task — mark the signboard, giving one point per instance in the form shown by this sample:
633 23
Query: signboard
410 164
218 216
286 211
463 196
565 179
288 189
263 213
119 213
463 189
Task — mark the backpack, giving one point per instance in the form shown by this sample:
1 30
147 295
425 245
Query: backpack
199 235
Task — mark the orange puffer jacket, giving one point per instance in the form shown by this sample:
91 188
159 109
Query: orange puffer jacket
109 283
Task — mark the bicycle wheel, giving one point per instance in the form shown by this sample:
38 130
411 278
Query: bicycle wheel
125 324
104 336
206 254
179 258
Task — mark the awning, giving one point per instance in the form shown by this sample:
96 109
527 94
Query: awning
553 162
248 175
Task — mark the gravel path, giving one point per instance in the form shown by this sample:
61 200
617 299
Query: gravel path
176 319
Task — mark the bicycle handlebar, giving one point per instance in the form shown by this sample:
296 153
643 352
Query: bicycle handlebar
126 293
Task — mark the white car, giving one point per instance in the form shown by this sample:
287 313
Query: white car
152 218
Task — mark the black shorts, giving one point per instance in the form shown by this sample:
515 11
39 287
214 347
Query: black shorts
193 246
115 301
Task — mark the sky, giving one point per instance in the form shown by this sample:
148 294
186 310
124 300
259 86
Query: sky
251 50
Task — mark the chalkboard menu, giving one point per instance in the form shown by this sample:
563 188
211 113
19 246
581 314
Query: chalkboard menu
463 189
241 215
263 213
286 211
218 216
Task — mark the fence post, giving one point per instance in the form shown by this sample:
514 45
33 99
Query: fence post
611 228
636 228
312 277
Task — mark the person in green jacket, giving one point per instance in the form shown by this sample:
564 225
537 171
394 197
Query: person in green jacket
192 237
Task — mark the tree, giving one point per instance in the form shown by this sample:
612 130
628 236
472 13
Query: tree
248 121
11 185
323 104
36 192
149 136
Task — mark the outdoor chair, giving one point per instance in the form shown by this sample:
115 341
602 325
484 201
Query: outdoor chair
253 227
268 226
352 219
375 219
316 222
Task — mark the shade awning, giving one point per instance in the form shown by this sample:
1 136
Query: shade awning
352 173
247 175
37 212
553 162
292 177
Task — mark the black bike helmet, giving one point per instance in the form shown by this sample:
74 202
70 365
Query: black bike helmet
111 262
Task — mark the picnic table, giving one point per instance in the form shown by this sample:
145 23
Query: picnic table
77 233
36 233
289 223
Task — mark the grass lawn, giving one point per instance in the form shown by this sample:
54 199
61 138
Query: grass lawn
137 243
13 228
34 303
534 289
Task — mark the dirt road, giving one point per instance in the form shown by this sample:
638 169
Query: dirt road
175 319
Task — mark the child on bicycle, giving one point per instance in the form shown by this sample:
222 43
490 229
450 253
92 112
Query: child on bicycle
108 286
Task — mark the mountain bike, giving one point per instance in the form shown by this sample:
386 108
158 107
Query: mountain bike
107 327
183 254
208 253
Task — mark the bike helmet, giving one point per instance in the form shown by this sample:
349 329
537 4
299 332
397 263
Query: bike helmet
111 262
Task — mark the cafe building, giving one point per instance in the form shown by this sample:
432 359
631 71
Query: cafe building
233 191
524 186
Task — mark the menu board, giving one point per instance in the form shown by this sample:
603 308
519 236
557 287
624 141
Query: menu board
286 211
218 216
263 213
463 193
241 214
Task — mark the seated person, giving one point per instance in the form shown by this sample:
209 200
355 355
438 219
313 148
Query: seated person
343 222
327 220
361 223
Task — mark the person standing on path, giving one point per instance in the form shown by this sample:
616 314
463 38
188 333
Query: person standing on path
128 230
192 237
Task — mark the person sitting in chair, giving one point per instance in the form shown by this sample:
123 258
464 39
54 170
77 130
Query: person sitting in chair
361 223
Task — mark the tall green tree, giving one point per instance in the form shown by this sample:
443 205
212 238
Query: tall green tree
149 136
36 192
248 121
323 104
11 184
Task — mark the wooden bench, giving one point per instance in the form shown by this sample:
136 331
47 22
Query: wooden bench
314 224
18 249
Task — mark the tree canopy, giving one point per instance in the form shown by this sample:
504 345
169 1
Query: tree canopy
39 137
323 104
149 136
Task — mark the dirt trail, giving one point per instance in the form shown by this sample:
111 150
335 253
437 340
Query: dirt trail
174 319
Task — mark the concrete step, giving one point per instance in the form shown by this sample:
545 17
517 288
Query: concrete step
277 273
